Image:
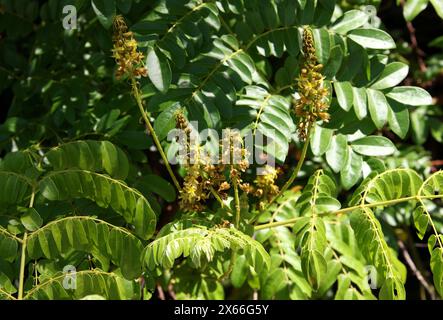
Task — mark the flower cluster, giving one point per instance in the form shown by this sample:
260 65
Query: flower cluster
233 149
312 103
129 60
202 177
265 183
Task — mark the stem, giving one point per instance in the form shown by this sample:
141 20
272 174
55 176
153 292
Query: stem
217 196
415 270
296 170
234 173
414 44
290 222
237 203
225 25
23 256
161 293
22 268
172 292
231 265
137 96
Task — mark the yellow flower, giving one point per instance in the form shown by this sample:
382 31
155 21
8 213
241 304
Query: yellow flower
312 103
266 187
128 59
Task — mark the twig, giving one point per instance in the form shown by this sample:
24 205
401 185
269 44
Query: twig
237 203
437 163
415 271
171 292
219 199
297 169
161 293
230 266
137 96
292 221
414 44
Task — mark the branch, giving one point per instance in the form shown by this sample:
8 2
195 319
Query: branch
136 93
414 44
296 171
415 270
350 209
161 293
172 292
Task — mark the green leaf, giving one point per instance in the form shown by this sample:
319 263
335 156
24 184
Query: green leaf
90 282
6 286
334 63
438 6
243 65
350 20
371 241
165 122
98 156
392 289
14 188
388 185
159 70
421 221
373 146
412 8
320 140
437 269
392 75
124 5
436 129
372 38
378 107
18 162
312 239
437 42
271 118
314 267
31 220
398 118
239 271
420 125
86 234
8 245
360 102
337 152
158 185
286 279
412 96
345 94
351 171
105 11
322 44
106 192
318 196
201 244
